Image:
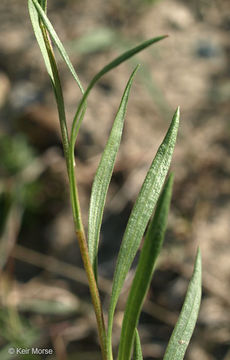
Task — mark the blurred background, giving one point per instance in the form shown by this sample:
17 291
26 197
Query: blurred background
43 290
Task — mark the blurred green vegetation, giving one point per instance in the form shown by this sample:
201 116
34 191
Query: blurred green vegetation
16 154
18 190
16 331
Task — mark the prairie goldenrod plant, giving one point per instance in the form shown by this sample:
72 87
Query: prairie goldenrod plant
155 192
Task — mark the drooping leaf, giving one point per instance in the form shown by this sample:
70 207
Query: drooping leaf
120 59
145 268
57 41
183 330
141 213
137 352
103 176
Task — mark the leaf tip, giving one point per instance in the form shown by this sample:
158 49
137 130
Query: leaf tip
136 68
198 257
176 117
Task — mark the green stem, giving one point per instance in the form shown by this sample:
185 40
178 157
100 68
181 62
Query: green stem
94 293
85 257
69 156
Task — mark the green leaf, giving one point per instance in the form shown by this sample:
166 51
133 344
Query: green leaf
43 4
183 330
146 265
141 213
51 66
56 41
39 36
137 352
125 56
103 176
120 59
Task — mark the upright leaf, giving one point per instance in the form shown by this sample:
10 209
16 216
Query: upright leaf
183 330
141 213
43 4
137 353
146 265
56 41
48 55
39 36
103 176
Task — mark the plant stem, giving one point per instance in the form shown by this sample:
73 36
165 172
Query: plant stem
70 162
85 257
94 292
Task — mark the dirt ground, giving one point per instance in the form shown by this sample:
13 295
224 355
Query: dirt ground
43 292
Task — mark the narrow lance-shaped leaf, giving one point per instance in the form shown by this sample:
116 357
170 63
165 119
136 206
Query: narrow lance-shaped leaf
141 213
57 42
47 52
183 330
137 352
43 4
39 36
103 176
145 268
120 59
